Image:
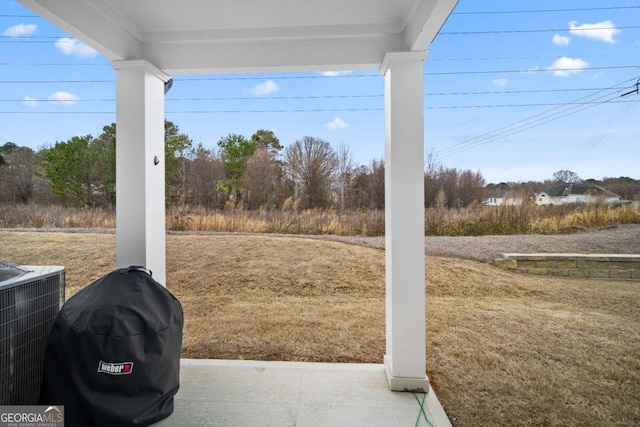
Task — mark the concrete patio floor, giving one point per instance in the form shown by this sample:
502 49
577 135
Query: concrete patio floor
257 393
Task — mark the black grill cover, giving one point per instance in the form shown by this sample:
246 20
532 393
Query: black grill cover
113 355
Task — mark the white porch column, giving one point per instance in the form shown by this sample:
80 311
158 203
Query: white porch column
405 357
140 170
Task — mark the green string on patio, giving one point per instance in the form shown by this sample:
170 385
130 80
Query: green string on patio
422 412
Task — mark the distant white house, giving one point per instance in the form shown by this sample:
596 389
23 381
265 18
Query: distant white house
498 197
575 193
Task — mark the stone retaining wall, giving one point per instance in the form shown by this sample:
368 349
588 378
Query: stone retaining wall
601 266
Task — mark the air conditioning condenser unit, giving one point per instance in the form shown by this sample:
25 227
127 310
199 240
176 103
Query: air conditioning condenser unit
30 299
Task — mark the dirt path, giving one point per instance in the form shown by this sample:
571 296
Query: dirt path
624 239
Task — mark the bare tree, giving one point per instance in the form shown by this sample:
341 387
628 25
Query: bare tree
17 175
360 187
263 179
367 186
432 173
376 184
566 177
204 172
431 163
627 188
470 187
460 188
312 163
344 171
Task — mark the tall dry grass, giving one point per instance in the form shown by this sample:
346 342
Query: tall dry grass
312 222
474 220
526 218
54 216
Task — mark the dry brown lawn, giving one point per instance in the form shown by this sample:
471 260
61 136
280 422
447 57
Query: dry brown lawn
502 348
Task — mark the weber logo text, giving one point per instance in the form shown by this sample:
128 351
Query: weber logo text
122 368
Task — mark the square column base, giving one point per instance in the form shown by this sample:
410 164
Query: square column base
415 385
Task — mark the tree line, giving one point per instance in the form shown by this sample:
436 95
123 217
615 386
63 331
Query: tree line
254 172
241 172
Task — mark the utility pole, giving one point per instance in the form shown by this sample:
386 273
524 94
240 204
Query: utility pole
634 91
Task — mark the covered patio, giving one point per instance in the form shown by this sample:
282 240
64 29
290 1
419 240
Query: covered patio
239 393
148 42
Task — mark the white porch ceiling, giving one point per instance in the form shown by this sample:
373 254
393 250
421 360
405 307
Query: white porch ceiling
224 36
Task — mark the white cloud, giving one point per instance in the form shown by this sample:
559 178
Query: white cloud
63 98
335 73
604 31
30 102
336 123
20 30
564 66
561 40
69 46
502 82
264 89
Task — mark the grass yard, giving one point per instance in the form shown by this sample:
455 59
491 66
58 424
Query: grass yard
502 348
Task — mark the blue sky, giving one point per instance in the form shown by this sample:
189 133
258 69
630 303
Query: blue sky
516 96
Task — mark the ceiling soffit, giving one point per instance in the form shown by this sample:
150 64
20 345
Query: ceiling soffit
204 36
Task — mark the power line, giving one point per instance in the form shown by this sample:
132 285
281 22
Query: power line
545 30
30 37
48 39
505 131
293 110
272 77
488 12
53 100
429 60
53 81
240 111
533 121
519 125
23 40
510 92
240 78
199 79
518 129
513 58
57 112
492 12
231 98
613 67
325 110
600 139
617 88
591 143
53 64
544 104
324 97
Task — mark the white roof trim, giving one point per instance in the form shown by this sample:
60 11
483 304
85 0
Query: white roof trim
141 63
